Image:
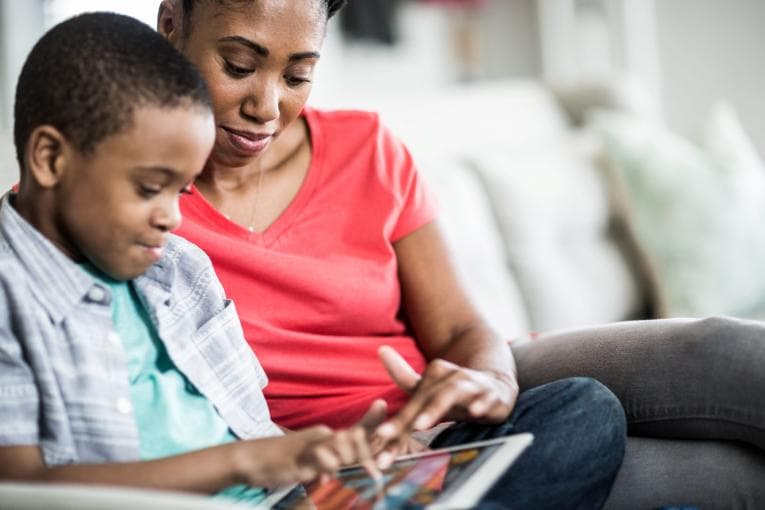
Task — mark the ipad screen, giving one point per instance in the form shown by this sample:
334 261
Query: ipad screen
410 483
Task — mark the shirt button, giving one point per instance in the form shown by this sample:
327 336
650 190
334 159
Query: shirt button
114 338
96 294
124 406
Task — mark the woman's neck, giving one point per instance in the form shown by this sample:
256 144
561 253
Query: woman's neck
255 195
277 159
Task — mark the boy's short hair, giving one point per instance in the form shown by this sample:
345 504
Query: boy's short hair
87 75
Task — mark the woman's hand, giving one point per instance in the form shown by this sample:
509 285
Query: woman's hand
445 391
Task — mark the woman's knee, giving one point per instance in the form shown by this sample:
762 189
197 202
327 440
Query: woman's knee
601 404
586 403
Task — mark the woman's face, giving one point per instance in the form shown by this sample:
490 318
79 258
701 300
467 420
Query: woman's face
258 60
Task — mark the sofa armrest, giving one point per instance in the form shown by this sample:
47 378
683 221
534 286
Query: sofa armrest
33 496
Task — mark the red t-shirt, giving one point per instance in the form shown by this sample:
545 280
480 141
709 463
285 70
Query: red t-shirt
318 291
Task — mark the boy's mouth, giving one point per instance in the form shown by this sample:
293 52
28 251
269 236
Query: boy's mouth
154 251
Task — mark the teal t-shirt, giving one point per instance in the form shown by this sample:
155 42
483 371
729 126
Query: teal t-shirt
171 415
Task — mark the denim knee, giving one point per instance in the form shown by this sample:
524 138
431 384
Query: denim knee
603 407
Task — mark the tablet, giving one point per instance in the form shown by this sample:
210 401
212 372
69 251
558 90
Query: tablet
448 478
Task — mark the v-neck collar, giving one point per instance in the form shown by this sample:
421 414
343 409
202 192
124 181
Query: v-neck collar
271 234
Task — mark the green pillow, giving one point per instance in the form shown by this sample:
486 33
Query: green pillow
697 209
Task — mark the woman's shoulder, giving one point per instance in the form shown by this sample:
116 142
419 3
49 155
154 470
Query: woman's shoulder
352 119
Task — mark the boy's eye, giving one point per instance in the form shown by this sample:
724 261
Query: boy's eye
186 190
148 191
236 71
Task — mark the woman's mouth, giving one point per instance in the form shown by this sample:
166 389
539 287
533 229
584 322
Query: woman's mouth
246 142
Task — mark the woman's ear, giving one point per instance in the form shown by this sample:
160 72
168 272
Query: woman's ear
46 156
170 20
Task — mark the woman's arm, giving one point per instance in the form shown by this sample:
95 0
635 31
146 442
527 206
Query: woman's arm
471 373
270 462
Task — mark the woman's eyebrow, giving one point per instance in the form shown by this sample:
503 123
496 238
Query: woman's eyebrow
263 51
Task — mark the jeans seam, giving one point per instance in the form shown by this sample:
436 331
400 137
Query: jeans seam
702 412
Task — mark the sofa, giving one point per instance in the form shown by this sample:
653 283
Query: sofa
536 219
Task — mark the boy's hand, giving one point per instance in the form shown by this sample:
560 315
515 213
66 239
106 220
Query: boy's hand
303 455
444 392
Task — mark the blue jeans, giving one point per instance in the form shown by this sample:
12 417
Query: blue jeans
579 436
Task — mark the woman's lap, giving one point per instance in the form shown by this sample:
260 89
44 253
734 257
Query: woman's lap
578 446
676 378
688 473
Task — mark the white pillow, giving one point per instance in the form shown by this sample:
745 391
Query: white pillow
553 212
472 236
698 209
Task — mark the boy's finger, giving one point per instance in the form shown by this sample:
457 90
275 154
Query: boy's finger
346 448
328 461
375 415
368 462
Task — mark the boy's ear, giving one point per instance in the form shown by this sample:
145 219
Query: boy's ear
170 20
46 155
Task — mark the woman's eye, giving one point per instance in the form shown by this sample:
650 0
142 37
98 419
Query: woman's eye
236 71
294 81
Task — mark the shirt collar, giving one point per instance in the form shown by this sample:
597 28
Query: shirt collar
57 282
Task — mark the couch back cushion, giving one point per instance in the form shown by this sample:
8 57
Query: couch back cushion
528 182
553 210
478 252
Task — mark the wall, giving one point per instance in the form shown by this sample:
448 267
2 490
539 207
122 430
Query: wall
20 25
360 73
710 50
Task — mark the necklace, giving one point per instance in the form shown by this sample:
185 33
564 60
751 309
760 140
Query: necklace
250 225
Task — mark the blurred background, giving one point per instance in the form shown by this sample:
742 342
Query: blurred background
688 53
658 213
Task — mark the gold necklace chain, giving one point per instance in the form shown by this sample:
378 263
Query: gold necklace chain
250 225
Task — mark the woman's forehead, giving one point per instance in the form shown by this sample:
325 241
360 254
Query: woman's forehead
302 21
268 10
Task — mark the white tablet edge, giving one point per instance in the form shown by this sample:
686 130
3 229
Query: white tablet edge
471 491
490 470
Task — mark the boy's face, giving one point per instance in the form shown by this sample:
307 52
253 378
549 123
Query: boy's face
114 207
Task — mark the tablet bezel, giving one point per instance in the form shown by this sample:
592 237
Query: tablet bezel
468 492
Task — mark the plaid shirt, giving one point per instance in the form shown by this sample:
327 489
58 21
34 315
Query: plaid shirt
63 371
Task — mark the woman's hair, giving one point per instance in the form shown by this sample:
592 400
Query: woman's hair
87 75
330 6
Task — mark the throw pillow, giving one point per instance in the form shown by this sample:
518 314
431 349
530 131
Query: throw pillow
698 209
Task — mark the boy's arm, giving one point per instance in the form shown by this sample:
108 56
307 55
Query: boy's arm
270 462
201 471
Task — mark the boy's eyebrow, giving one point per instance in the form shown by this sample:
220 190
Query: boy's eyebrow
165 171
263 51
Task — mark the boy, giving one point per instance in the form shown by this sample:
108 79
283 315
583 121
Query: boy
121 361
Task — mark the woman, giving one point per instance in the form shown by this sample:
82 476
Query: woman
321 231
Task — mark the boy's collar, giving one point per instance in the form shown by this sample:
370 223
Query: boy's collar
58 283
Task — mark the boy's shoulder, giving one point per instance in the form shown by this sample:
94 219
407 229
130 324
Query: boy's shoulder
12 272
185 277
183 253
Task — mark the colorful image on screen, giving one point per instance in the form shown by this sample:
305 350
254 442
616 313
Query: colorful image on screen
408 484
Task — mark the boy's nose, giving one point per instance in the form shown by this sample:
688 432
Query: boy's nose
168 217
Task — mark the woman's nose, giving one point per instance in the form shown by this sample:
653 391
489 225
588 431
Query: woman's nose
262 104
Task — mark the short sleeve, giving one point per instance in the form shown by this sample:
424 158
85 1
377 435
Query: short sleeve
19 400
416 204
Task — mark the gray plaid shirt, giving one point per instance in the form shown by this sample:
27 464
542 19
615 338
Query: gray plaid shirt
63 371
